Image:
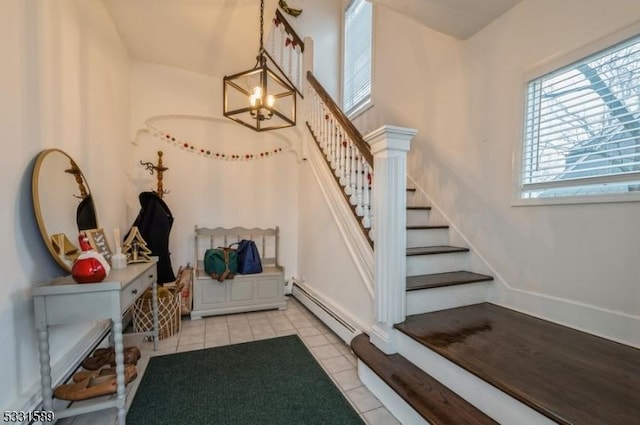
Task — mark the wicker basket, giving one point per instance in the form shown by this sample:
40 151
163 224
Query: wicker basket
168 312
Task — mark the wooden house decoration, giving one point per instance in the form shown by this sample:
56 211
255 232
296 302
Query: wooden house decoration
135 248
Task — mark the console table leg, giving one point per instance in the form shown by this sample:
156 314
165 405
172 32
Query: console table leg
116 330
156 328
45 368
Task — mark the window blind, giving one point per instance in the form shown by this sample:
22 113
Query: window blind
357 55
582 126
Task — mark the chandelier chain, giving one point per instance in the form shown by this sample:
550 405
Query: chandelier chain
261 25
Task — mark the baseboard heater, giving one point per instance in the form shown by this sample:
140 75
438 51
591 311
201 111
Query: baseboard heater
330 318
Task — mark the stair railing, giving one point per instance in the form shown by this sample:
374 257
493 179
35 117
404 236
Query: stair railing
380 195
345 151
285 48
351 158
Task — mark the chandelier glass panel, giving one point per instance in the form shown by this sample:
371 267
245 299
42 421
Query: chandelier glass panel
259 98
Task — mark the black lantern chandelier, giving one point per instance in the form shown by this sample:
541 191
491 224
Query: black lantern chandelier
259 98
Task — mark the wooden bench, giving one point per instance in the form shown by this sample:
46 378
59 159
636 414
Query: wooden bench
250 292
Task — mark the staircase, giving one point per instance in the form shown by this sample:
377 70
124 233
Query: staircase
462 360
436 271
455 358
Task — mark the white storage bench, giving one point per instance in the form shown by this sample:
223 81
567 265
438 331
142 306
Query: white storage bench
249 292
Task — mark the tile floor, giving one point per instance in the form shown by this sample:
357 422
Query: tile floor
330 351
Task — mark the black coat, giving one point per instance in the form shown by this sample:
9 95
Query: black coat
154 222
86 214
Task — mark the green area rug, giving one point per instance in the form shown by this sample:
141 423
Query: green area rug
269 382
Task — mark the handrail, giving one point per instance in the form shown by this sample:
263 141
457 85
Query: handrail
289 29
345 122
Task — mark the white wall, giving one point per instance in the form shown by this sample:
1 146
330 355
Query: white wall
325 263
574 264
322 20
206 191
64 84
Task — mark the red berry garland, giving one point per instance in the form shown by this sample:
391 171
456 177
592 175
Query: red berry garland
215 155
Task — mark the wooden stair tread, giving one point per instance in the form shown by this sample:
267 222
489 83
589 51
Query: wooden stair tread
437 280
567 375
427 396
428 227
439 249
423 208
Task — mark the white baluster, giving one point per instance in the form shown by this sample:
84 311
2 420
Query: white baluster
327 138
290 60
316 107
327 130
334 154
313 113
352 172
358 199
324 126
298 67
319 124
341 150
347 165
283 38
366 200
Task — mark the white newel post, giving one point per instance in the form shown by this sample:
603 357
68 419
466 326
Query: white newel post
389 145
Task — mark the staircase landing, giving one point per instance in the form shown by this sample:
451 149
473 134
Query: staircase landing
567 375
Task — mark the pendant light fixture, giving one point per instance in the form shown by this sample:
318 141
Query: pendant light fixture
259 98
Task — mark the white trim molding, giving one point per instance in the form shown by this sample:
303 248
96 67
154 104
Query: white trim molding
340 321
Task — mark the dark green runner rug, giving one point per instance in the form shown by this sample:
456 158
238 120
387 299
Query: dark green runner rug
269 382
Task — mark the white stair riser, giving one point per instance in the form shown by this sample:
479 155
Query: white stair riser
436 263
418 217
487 398
392 401
435 299
427 237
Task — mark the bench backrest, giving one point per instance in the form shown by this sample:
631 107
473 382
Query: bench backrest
266 240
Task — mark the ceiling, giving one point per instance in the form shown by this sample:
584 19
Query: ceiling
457 18
213 37
219 37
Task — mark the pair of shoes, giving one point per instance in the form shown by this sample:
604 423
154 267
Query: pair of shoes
103 356
93 386
133 349
103 371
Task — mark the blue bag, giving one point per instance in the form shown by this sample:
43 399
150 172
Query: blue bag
248 257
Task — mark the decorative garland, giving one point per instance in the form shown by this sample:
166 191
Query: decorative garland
186 146
289 41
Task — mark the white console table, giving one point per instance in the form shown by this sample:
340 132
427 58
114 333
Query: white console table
64 301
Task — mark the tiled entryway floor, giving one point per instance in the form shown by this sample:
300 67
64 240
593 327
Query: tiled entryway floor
330 351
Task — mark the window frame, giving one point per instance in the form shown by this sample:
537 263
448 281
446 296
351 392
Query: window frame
555 63
367 102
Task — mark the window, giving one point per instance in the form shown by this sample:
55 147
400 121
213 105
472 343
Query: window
357 55
582 127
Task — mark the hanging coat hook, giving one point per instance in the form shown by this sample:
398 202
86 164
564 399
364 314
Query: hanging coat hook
160 169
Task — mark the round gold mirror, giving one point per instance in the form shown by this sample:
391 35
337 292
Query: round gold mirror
62 203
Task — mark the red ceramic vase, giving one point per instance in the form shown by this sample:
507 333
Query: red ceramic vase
88 270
